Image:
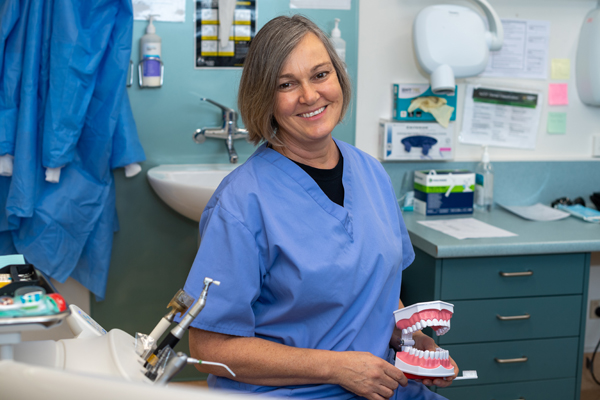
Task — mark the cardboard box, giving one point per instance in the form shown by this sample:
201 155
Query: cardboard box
444 192
404 94
425 141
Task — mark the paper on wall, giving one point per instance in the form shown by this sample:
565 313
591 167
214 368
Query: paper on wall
162 10
524 53
501 117
322 4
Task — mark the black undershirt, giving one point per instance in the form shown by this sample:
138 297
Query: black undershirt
329 180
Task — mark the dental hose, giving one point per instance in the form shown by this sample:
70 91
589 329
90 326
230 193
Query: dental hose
191 360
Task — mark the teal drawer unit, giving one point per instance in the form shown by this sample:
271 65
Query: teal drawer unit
556 389
518 320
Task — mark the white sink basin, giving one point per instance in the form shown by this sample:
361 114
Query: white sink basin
186 188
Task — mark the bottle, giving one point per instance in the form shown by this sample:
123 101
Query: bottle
484 183
338 43
150 46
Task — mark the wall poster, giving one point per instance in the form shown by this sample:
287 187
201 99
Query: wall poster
209 50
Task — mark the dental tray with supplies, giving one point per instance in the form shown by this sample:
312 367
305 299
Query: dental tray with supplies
28 301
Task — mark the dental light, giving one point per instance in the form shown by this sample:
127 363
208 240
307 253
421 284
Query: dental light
452 42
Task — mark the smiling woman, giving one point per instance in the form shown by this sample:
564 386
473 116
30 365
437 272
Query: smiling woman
306 237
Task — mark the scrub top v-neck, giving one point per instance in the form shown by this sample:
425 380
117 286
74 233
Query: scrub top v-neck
298 269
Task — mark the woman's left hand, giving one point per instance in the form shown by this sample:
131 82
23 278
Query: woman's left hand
424 342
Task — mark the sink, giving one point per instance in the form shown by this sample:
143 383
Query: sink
186 188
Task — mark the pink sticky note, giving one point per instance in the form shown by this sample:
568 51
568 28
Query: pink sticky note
558 94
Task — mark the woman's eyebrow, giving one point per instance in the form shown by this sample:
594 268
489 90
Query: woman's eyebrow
286 76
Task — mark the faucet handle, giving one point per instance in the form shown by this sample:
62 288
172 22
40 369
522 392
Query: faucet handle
222 107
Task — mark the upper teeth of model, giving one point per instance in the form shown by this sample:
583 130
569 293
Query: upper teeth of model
441 325
312 114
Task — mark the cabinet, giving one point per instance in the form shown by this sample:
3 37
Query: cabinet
519 320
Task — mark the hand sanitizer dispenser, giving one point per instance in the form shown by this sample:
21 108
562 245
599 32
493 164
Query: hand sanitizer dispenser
588 60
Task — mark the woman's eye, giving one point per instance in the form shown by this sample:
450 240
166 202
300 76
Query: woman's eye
285 85
322 75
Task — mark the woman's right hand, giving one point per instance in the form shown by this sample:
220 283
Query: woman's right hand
368 376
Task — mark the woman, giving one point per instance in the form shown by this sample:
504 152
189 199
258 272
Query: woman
306 238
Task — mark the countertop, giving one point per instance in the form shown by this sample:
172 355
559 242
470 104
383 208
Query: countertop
569 235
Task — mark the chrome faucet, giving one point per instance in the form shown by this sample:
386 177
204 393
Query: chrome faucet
229 131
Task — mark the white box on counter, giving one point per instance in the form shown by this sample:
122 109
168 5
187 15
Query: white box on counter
424 141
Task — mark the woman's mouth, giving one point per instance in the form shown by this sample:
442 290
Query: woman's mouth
312 114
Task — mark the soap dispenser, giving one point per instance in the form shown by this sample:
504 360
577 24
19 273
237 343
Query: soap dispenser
484 183
151 66
338 43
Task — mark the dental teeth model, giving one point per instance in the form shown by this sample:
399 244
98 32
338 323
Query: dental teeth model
417 364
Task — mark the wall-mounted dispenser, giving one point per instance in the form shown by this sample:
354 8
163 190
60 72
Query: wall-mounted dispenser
587 65
452 41
151 68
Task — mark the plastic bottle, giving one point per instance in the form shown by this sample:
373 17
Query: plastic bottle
150 46
484 183
338 43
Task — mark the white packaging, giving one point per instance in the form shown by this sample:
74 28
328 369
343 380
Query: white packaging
424 141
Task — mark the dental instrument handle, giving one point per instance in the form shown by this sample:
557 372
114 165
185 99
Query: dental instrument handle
191 360
173 367
160 328
177 333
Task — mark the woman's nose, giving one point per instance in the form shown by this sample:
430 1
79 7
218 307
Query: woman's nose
309 94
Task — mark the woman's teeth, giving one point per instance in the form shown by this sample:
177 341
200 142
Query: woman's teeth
312 114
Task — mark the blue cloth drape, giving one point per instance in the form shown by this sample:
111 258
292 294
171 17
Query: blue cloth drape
63 103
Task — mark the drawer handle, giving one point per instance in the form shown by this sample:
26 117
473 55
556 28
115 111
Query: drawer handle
513 274
513 317
511 360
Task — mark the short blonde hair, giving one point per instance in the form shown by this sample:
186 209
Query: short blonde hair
268 52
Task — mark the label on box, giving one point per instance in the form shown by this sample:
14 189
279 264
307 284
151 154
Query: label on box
415 141
444 192
403 96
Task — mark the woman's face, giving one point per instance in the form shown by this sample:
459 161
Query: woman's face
308 101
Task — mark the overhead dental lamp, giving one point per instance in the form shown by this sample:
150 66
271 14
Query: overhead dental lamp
453 42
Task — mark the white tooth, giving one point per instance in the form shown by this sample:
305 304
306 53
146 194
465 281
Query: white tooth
410 329
426 355
447 354
429 322
418 325
404 332
411 351
423 323
421 353
435 322
436 355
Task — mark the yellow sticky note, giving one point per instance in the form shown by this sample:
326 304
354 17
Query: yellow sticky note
557 123
561 68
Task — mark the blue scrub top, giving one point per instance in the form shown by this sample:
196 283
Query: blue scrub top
298 269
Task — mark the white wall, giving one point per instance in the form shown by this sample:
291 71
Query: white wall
386 57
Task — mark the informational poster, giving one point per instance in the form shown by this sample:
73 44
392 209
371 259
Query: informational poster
161 10
524 53
209 51
501 117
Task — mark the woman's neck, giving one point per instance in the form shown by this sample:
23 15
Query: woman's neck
319 155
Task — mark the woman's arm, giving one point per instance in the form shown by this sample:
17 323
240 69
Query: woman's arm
262 362
423 342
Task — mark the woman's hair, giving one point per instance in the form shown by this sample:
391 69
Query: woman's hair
268 52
